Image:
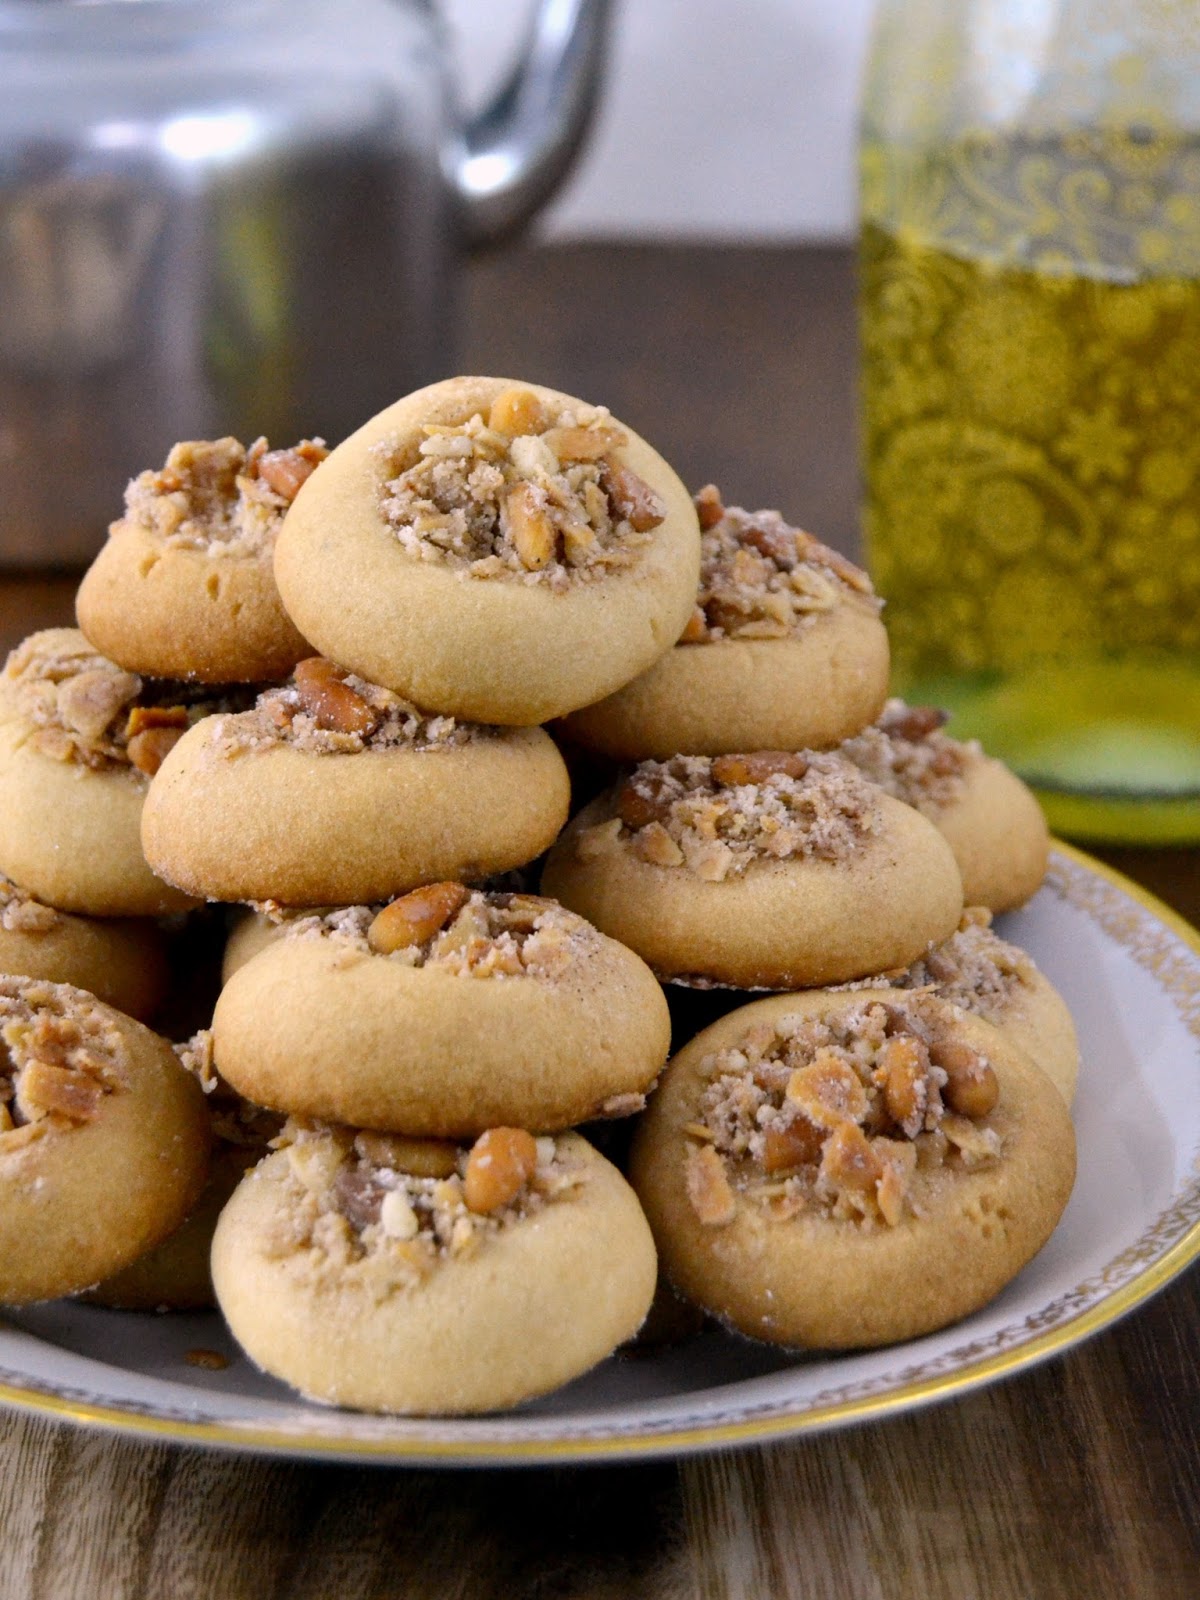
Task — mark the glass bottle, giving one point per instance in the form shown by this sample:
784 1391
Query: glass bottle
1031 344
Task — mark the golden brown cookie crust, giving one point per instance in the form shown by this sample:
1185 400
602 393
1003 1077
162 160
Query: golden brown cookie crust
783 924
250 932
982 973
998 834
434 635
176 613
122 962
85 1198
816 1282
175 1275
727 695
319 830
72 836
320 1027
536 1305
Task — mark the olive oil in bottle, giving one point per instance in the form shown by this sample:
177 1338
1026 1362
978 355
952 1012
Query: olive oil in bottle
1031 346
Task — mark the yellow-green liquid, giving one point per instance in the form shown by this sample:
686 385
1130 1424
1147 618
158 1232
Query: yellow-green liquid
1031 336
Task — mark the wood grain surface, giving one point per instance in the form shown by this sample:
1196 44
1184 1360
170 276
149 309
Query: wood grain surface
1081 1479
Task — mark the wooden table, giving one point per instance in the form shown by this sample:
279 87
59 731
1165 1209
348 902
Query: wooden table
1079 1479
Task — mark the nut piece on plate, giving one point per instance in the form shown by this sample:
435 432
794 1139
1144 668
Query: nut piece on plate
184 587
492 550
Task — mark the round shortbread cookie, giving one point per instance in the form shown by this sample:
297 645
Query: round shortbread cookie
362 1285
175 1275
277 804
122 962
104 1140
731 870
250 931
508 569
810 1184
79 740
990 819
443 1014
785 651
184 587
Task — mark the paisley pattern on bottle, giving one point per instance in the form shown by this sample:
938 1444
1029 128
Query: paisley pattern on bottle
1031 346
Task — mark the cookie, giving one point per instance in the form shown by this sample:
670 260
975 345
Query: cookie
121 962
503 1273
333 791
990 819
493 551
252 929
980 972
839 1171
184 587
772 870
444 1013
80 739
784 651
175 1275
103 1140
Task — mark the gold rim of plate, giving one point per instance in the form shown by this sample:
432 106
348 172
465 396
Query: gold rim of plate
776 1422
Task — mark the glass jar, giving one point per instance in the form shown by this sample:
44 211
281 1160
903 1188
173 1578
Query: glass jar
1031 341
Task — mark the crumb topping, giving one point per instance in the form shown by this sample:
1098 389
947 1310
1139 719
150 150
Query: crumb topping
86 709
21 913
909 757
237 1123
762 579
526 494
61 1055
219 497
469 932
835 1115
324 711
390 1210
718 815
974 968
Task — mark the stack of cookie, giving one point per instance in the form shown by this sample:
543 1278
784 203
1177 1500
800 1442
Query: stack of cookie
108 1142
406 1036
807 1161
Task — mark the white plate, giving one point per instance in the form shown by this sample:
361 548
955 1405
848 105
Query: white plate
1130 971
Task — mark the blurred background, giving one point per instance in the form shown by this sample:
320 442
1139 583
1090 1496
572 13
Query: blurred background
717 121
699 258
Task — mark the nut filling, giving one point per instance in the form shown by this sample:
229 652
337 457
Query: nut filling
219 497
471 933
325 711
391 1209
525 494
719 815
836 1116
761 579
974 968
61 1056
86 709
909 757
244 1129
21 913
